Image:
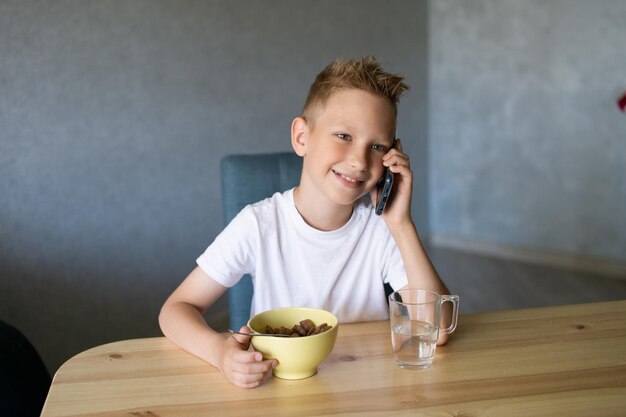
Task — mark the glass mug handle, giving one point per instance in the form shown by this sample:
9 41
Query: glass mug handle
454 299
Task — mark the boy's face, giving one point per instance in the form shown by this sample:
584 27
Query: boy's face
344 144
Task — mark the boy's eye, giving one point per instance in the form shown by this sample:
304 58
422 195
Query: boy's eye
380 148
343 136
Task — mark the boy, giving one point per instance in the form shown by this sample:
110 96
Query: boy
319 244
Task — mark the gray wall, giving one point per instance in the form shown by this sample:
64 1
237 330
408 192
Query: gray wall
527 145
114 117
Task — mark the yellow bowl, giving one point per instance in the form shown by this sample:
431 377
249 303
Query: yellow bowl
298 357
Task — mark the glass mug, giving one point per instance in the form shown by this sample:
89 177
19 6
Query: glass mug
415 317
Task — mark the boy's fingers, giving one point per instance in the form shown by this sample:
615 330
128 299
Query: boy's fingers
396 157
252 365
397 160
243 340
258 369
252 357
248 362
250 380
246 380
244 356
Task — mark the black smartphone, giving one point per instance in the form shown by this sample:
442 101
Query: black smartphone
383 189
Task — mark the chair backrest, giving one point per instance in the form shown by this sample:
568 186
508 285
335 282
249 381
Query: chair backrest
24 379
246 179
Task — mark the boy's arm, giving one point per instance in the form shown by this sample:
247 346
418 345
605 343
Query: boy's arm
421 273
181 320
397 217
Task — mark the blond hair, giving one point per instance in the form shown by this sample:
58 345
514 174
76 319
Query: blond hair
364 73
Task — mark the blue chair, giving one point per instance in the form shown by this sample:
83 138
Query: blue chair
246 179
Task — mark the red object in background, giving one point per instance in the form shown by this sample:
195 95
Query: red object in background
621 103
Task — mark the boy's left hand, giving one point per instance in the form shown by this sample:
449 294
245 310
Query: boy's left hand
398 210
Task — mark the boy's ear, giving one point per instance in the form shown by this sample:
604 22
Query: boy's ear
299 133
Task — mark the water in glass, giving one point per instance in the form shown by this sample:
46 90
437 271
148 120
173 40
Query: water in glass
414 343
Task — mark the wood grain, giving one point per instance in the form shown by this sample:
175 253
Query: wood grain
565 361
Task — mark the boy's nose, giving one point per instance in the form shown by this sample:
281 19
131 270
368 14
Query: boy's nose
358 159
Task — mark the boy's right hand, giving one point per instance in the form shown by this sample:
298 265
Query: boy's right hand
244 368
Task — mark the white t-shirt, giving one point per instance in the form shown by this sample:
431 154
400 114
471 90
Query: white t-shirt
295 265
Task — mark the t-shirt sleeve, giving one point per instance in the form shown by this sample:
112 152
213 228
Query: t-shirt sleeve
393 267
231 255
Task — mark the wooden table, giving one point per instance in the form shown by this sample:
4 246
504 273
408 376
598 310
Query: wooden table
558 361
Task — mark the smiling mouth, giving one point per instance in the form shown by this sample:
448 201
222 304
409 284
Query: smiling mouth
348 179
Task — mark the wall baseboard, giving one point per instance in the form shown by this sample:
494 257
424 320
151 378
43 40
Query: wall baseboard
576 263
